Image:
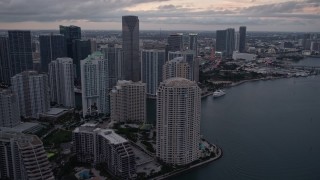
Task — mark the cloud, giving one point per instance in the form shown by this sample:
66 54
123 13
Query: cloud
57 10
285 7
296 12
168 7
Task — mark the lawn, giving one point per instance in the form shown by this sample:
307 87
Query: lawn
57 137
50 154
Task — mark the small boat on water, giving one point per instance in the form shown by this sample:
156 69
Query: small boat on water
218 93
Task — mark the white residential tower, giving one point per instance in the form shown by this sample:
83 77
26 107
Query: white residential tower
178 121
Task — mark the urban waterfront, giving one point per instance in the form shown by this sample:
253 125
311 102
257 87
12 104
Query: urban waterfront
266 129
123 94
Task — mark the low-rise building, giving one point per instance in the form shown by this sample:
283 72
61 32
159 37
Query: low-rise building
244 56
95 145
55 114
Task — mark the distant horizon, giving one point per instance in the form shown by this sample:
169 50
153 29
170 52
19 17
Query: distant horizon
164 30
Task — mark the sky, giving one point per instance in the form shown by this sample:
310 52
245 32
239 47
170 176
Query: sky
196 15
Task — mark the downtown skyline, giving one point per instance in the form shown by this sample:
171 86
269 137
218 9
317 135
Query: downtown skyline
209 15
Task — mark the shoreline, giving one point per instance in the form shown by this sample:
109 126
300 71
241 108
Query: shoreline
265 79
242 82
253 80
206 94
234 84
200 164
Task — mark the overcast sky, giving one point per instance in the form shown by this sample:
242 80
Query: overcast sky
257 15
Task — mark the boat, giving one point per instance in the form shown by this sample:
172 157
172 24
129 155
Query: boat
218 93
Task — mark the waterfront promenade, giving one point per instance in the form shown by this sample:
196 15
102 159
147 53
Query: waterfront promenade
202 163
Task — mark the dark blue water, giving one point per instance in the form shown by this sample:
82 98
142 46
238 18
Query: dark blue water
267 130
309 62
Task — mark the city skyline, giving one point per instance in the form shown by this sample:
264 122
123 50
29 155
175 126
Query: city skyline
208 15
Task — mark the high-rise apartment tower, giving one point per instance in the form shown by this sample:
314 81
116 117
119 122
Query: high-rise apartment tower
151 72
95 85
23 157
9 109
32 90
128 102
61 78
178 121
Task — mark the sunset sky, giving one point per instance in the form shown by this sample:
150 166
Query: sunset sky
257 15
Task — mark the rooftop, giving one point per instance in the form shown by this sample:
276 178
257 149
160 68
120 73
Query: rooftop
23 127
108 134
89 124
121 83
111 136
178 82
95 56
56 111
51 34
23 140
64 60
177 60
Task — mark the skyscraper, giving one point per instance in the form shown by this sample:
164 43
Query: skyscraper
175 42
306 43
20 51
32 90
193 42
9 109
225 41
70 33
52 46
5 61
22 156
236 41
230 42
221 36
315 46
178 121
130 45
80 49
95 85
128 102
114 54
152 65
94 46
242 41
61 77
95 145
